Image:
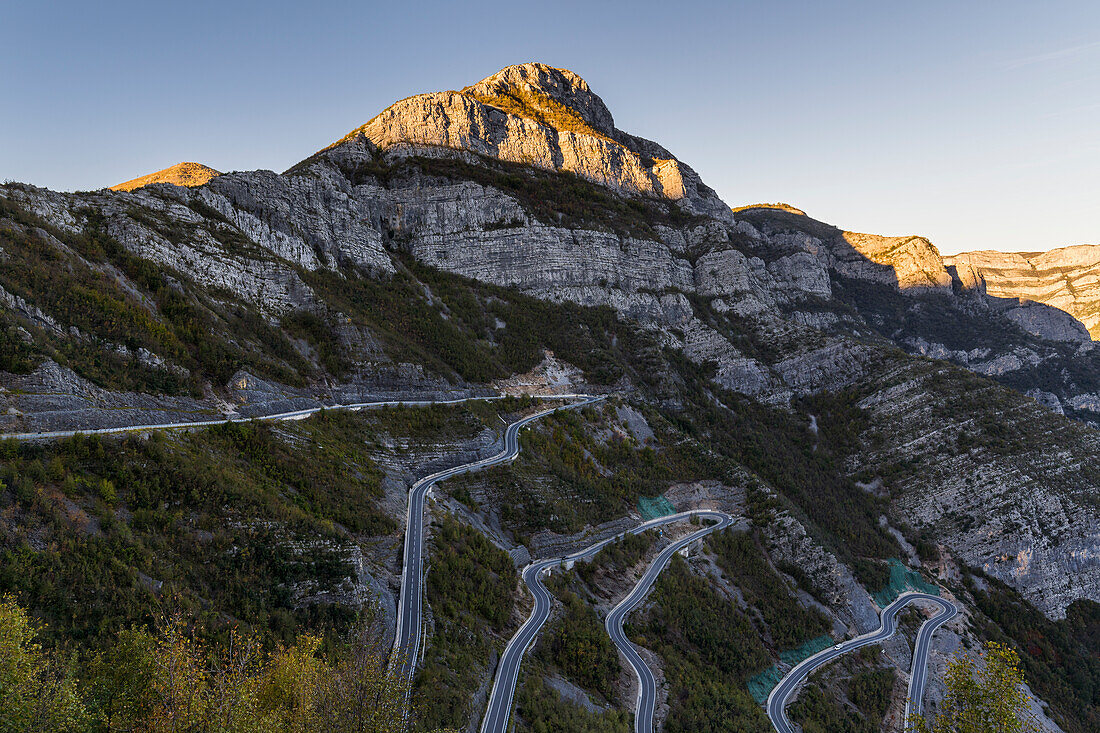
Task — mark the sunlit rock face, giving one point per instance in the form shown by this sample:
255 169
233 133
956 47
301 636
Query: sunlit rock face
181 174
1066 278
537 115
913 263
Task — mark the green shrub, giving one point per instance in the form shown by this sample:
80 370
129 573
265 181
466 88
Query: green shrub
580 647
745 563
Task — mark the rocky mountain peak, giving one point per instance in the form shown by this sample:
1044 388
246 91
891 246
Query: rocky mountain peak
534 115
557 97
181 174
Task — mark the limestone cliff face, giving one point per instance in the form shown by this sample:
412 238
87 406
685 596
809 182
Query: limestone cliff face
544 117
181 174
1067 279
1012 522
912 263
774 304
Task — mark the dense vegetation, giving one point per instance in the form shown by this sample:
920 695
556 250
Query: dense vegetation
227 523
623 553
169 680
574 470
108 529
870 692
817 713
540 709
851 694
745 563
580 647
709 650
1061 659
470 588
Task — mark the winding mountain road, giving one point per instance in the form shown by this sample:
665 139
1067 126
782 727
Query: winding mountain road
407 639
504 686
647 685
275 417
777 700
406 645
918 675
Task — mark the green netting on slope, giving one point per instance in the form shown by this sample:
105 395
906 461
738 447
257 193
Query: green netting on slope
658 506
902 578
761 685
806 649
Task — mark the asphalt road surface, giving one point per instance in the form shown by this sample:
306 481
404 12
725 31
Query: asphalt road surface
918 675
295 415
647 685
504 686
406 645
777 700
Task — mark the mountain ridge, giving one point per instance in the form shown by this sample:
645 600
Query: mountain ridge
829 373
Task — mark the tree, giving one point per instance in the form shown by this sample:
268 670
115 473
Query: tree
37 693
168 680
984 695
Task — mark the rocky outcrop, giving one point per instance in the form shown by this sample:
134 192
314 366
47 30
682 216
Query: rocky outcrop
1013 504
548 118
181 174
1067 279
313 222
913 264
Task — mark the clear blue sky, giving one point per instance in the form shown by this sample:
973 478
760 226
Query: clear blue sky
976 124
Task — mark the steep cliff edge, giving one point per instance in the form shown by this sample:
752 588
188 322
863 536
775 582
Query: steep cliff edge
1067 278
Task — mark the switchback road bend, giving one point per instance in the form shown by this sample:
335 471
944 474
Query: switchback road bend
777 700
504 685
409 608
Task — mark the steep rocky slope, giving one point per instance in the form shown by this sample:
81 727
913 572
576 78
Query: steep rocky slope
181 174
456 237
1064 278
